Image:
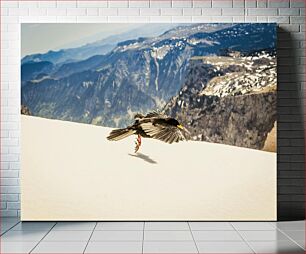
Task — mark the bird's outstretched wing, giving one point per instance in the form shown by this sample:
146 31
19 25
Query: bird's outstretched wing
168 134
155 114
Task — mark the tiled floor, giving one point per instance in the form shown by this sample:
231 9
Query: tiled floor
152 237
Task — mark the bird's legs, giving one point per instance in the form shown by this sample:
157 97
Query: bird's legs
138 143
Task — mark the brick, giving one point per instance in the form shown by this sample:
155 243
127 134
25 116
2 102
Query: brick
250 19
9 213
9 197
289 27
172 12
297 20
47 4
262 11
211 12
28 4
192 11
149 12
10 189
128 11
9 173
179 19
13 205
57 12
181 3
91 19
92 11
8 181
138 19
289 11
202 3
108 11
250 3
159 19
18 12
76 11
262 19
279 19
66 19
92 4
201 19
38 11
15 165
222 3
238 3
225 19
118 19
291 150
139 4
118 4
278 3
9 4
66 4
262 3
297 3
233 11
160 4
238 19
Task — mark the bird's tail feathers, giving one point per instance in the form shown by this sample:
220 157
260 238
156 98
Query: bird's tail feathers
119 134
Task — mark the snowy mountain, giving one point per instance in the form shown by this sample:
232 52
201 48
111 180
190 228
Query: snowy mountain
139 74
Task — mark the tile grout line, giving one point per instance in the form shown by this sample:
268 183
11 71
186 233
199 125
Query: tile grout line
42 238
193 237
90 237
10 228
246 242
290 238
143 232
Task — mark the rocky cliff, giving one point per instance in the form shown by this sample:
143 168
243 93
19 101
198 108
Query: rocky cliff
229 100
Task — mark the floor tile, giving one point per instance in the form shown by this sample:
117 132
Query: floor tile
168 236
114 247
290 225
211 226
60 247
98 236
87 226
17 247
7 225
33 226
223 247
119 226
276 247
274 235
253 226
23 236
216 236
297 235
169 247
166 226
68 236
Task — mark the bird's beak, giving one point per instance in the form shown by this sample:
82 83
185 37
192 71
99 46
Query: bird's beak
180 127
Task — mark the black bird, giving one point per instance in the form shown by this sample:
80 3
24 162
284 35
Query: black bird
153 125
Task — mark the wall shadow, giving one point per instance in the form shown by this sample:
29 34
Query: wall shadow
290 130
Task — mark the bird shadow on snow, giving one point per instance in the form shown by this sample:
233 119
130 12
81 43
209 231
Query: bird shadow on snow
143 157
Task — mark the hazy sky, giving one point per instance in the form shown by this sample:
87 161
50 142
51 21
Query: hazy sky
40 38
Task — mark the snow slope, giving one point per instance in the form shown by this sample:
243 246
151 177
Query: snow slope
70 171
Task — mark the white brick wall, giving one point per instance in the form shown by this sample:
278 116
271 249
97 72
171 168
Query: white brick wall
289 13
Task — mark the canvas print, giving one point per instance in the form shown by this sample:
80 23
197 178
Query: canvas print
205 82
161 97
